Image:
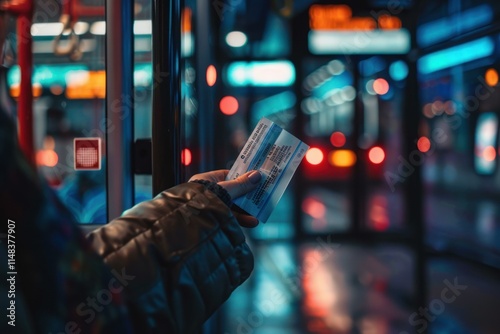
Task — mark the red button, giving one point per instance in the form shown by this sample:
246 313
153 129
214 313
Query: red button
87 152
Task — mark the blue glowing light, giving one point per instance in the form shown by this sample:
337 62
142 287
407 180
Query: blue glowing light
398 70
49 75
261 73
444 28
456 55
335 82
371 66
273 104
46 75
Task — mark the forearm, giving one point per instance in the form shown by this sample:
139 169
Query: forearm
184 248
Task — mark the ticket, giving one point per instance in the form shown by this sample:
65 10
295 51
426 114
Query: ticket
276 154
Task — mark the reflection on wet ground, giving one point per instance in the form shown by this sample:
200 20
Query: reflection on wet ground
323 287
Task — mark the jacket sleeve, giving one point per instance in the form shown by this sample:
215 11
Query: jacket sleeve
178 256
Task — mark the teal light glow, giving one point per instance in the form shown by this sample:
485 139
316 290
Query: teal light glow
46 75
453 25
395 41
143 74
334 83
456 55
273 104
49 75
261 73
486 138
398 70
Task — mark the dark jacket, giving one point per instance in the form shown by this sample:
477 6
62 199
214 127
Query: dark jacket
163 267
184 253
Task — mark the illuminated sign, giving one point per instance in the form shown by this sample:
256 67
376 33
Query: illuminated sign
360 42
334 30
261 73
339 17
456 55
87 153
447 27
79 82
86 85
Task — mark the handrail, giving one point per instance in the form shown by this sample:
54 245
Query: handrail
71 12
73 49
23 9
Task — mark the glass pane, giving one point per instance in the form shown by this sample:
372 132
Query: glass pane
382 87
328 106
69 91
143 85
460 120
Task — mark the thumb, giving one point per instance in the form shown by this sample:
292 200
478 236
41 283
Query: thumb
242 184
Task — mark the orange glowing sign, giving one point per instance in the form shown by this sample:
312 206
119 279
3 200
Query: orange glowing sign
15 90
91 86
186 19
339 17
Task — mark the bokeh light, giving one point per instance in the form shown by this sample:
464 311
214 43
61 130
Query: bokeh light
398 70
186 157
423 144
342 158
489 153
314 156
381 86
337 139
491 77
229 105
48 158
236 39
314 208
376 155
211 75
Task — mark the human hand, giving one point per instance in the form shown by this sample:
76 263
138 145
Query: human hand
235 188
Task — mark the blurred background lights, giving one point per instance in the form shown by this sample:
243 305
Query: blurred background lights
314 156
261 73
186 157
369 87
337 139
98 28
229 105
143 27
381 86
348 93
236 39
456 55
437 107
489 153
47 158
314 208
491 77
335 67
423 144
376 155
398 70
211 75
342 158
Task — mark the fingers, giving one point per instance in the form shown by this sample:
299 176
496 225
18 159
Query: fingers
236 188
245 220
213 176
243 184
